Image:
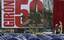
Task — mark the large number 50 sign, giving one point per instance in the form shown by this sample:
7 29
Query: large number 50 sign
13 10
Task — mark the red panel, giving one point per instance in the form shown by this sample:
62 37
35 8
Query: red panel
58 14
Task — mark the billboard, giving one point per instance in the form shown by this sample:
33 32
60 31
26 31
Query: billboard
26 13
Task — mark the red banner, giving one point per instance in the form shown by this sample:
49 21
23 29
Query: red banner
58 15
